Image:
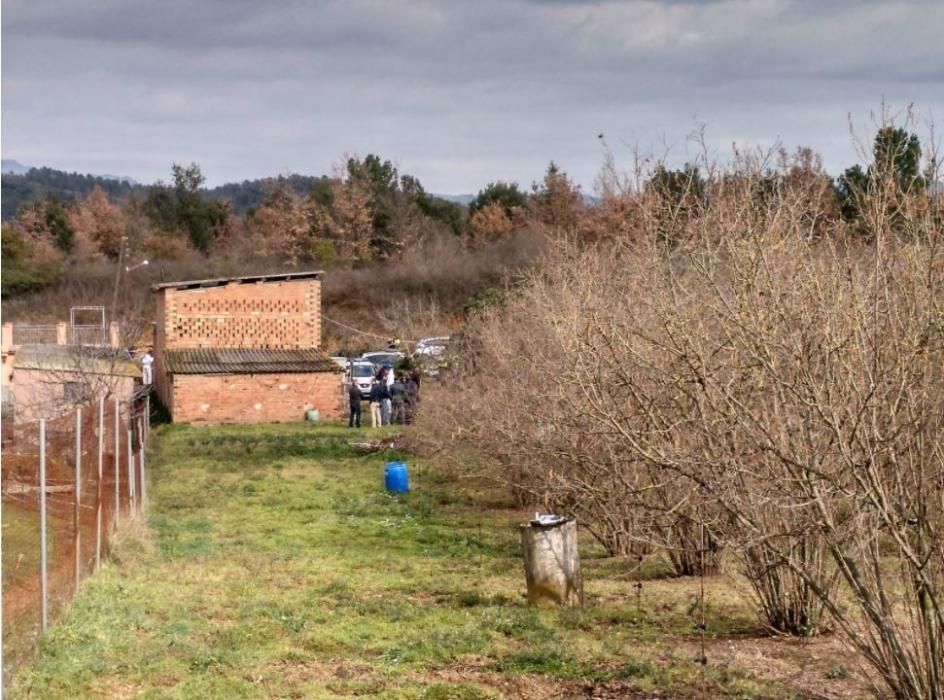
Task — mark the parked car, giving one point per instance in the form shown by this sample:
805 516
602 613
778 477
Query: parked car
432 347
362 373
379 358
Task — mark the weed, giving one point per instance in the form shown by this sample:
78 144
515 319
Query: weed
836 672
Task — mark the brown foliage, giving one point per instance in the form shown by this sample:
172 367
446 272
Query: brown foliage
491 222
751 385
98 225
280 226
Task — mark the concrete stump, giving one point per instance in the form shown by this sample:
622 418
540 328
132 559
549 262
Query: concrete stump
552 564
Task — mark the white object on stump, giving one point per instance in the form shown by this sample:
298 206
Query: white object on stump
552 562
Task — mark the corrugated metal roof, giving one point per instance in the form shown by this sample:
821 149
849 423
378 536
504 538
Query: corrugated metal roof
247 361
218 281
75 358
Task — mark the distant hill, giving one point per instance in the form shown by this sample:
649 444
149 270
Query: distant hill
463 199
13 167
37 183
466 199
247 194
22 184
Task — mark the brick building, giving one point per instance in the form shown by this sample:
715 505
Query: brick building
244 350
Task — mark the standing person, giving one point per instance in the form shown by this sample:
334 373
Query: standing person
387 382
385 407
354 397
147 367
398 398
412 397
376 397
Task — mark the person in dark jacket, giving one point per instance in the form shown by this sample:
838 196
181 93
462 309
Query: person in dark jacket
375 402
398 399
385 408
354 397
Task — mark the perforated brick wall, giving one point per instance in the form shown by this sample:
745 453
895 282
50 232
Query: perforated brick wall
272 315
258 398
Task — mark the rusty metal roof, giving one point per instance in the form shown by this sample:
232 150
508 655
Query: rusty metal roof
76 358
247 361
219 281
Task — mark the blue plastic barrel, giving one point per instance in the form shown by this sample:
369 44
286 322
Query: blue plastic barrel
396 477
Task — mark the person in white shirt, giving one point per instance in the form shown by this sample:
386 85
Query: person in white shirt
147 367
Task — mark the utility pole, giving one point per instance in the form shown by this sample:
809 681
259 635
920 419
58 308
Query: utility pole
121 255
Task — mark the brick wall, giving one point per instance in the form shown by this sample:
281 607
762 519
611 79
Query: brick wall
256 398
275 315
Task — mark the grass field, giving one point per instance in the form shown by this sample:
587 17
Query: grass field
274 565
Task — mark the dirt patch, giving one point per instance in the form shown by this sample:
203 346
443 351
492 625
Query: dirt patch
820 668
528 686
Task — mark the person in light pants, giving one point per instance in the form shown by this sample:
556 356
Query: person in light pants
147 367
376 398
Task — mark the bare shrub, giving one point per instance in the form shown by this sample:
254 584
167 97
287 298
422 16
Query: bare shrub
764 375
423 292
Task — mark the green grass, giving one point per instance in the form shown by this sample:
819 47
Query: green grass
275 565
21 545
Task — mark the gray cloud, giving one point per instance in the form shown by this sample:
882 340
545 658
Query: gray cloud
458 93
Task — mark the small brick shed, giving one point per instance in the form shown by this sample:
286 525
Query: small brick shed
244 350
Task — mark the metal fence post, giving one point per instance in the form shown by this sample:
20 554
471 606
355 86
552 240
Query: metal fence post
43 587
117 463
98 490
131 471
78 496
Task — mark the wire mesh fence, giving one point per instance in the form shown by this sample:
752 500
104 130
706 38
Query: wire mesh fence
88 335
29 334
67 484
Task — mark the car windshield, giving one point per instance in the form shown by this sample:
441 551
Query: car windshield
361 371
381 357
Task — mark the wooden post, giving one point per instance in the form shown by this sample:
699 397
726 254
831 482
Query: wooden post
552 563
78 497
131 494
98 489
117 463
141 451
43 583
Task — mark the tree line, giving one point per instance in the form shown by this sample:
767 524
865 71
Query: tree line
367 211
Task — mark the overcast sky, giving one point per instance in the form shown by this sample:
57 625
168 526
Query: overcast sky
458 93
